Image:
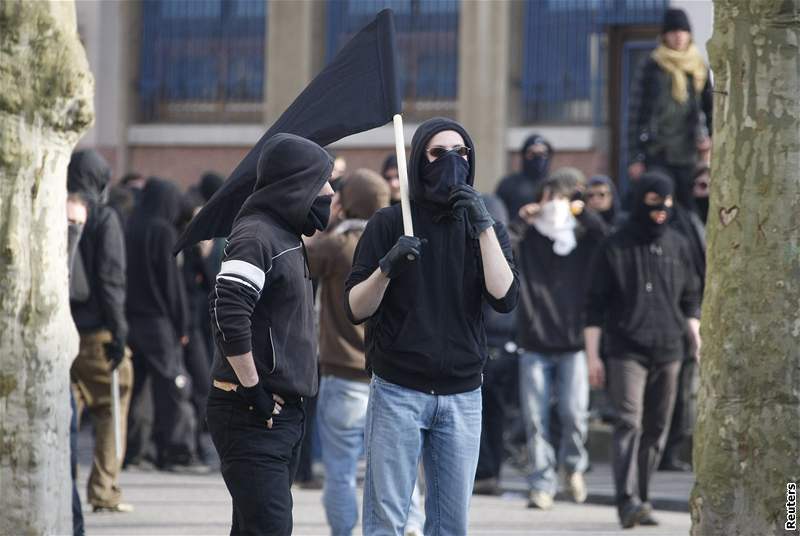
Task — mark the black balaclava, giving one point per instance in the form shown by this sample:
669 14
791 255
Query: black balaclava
537 167
421 173
640 222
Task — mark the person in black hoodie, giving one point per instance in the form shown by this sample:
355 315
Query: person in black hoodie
158 316
425 336
263 315
646 294
554 246
602 197
97 300
520 188
391 176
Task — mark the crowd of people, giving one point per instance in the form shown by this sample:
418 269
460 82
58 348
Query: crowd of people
439 356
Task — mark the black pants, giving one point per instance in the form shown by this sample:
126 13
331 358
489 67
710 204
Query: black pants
161 422
305 472
197 365
680 429
497 377
643 398
258 464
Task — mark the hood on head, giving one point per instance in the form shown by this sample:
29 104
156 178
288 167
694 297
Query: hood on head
363 193
390 162
210 182
161 199
616 202
88 174
417 159
533 139
290 173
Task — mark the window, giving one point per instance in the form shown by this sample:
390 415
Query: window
427 41
564 72
202 60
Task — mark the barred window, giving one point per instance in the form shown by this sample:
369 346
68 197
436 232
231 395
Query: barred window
427 41
202 60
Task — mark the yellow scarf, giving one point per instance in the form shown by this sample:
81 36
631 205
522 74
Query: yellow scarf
679 63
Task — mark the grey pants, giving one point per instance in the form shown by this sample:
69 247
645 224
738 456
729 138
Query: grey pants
643 398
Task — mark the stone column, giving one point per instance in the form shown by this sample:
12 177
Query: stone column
484 45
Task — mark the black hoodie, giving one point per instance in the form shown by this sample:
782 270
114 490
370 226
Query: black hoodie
519 189
102 250
263 298
428 333
644 286
155 285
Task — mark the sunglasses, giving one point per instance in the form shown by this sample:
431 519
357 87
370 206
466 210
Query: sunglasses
602 195
438 151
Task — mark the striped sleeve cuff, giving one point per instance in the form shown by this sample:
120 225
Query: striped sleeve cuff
244 273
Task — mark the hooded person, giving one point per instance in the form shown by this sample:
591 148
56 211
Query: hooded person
671 108
645 294
266 350
425 335
97 301
158 315
391 176
520 188
554 245
602 196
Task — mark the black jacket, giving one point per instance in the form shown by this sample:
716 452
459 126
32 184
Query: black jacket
102 251
263 297
642 293
553 287
155 285
428 333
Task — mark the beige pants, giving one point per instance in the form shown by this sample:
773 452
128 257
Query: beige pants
91 385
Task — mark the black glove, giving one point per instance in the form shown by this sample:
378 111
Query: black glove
259 400
405 252
115 353
466 197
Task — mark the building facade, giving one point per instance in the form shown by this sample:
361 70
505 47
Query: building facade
186 86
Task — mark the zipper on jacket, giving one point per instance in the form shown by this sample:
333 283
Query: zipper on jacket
274 354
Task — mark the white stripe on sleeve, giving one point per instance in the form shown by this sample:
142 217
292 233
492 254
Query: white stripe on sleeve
244 269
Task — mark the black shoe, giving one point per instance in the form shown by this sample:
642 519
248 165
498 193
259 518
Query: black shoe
314 483
486 486
674 464
631 513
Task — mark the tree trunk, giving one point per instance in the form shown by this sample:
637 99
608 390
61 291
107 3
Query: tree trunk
747 439
45 105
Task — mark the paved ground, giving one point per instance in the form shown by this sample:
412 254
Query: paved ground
169 504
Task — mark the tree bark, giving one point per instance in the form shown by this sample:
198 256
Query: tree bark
747 439
45 105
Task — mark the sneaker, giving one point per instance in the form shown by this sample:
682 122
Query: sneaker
540 500
486 486
122 508
646 519
413 532
631 513
576 487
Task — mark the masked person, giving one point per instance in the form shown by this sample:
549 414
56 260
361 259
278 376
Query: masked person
601 196
644 290
555 240
672 108
426 342
263 314
702 183
344 387
162 423
521 188
392 178
97 301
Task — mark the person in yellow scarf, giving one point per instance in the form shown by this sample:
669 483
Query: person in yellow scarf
670 120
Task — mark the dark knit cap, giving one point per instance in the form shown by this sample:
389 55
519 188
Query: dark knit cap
675 19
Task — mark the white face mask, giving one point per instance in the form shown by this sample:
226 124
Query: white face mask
556 222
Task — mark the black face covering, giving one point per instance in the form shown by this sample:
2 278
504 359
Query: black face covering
440 176
702 208
640 221
536 168
319 215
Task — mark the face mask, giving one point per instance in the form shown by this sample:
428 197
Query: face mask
556 222
648 228
318 216
536 167
74 231
440 176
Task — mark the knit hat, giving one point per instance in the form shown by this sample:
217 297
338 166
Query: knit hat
675 19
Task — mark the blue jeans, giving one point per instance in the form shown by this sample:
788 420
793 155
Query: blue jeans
403 424
342 414
565 376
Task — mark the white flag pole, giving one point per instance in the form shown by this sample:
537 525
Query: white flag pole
115 414
402 172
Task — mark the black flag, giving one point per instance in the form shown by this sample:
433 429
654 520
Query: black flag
357 91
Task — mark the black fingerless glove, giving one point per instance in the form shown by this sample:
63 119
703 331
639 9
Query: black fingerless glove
467 198
115 353
406 251
259 400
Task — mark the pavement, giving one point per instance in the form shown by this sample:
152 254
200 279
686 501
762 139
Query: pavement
173 504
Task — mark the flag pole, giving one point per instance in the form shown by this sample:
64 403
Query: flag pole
402 172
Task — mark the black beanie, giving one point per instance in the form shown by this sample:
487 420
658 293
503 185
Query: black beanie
675 19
